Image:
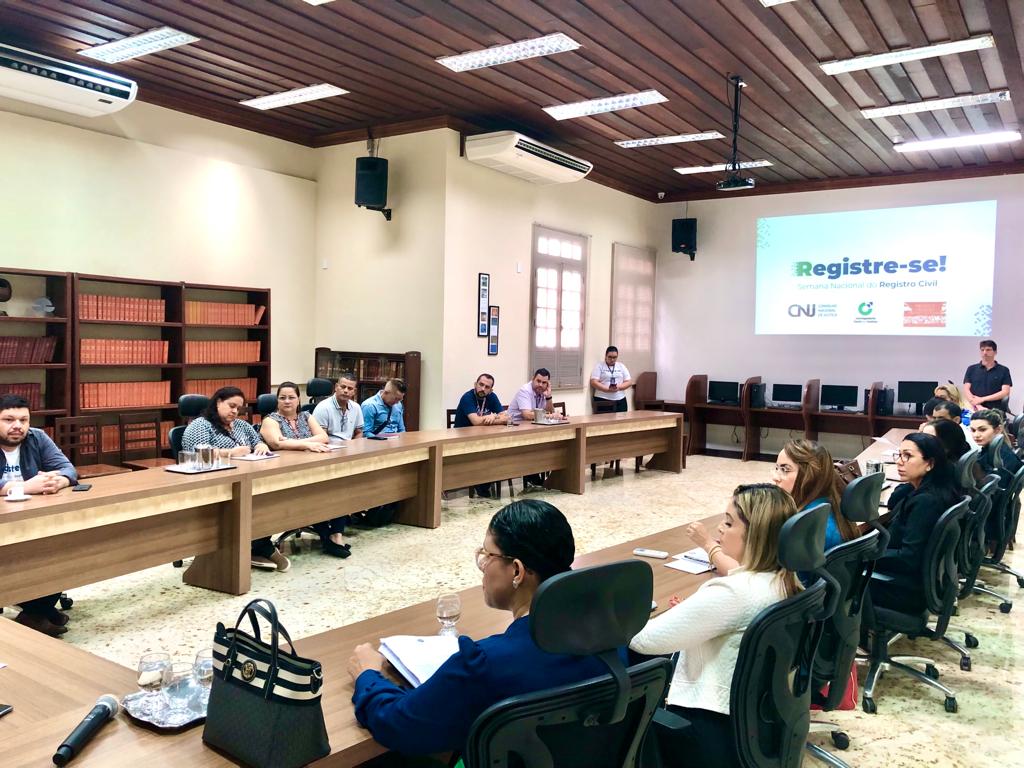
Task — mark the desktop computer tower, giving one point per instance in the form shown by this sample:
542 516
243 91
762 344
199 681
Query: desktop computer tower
757 392
885 402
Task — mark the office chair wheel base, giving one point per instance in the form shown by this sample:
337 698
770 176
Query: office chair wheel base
66 603
1005 607
1020 583
840 739
178 563
965 663
932 671
868 705
951 704
970 641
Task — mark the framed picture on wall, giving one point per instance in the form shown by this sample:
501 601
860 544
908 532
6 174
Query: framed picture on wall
483 287
492 336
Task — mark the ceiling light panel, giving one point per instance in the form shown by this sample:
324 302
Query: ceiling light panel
318 2
153 41
657 140
954 142
723 167
970 100
908 54
765 3
503 54
607 104
294 96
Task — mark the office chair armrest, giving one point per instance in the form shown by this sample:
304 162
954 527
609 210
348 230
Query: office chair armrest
877 576
668 720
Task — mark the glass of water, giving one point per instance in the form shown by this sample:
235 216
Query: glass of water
202 671
178 690
152 668
449 611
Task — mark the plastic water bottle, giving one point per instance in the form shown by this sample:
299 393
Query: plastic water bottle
965 417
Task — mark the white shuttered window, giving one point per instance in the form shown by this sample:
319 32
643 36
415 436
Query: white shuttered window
558 305
632 326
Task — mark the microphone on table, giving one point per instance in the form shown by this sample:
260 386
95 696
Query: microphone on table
105 709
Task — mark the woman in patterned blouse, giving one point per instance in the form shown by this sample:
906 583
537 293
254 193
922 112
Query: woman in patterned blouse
220 427
290 429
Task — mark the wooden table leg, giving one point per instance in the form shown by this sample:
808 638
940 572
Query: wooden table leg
228 568
671 460
424 509
572 479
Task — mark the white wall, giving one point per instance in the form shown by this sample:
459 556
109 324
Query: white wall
488 228
379 284
705 316
79 200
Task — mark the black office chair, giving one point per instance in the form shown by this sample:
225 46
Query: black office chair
851 565
941 584
265 405
189 406
1005 514
770 696
316 390
596 723
450 414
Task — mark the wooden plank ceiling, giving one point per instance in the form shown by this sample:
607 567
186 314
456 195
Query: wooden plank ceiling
806 123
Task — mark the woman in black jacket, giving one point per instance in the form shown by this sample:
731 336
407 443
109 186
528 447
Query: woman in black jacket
928 490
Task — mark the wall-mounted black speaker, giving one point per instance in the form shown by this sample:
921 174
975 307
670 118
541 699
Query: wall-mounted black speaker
684 237
371 182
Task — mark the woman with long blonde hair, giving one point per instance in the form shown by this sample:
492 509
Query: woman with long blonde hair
707 627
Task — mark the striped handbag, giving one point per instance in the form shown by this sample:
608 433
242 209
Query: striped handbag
265 707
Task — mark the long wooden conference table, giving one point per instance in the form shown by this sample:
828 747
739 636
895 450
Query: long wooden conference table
52 684
134 521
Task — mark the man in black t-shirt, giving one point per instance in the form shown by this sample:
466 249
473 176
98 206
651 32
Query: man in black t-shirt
987 384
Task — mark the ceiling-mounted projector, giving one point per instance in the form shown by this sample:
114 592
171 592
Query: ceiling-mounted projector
733 183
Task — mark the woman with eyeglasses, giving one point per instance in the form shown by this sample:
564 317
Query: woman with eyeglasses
526 543
229 435
928 489
803 469
291 429
707 627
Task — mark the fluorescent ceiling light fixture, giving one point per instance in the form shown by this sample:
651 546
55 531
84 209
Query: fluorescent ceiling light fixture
969 100
765 3
656 140
723 167
153 41
952 142
503 54
317 2
294 96
908 54
607 104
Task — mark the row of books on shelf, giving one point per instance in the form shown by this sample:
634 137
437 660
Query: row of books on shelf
222 351
27 349
364 368
128 394
207 387
223 313
110 438
123 351
31 392
93 306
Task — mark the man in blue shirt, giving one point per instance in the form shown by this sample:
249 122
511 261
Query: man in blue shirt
383 413
30 463
480 406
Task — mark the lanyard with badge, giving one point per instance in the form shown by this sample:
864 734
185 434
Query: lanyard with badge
611 374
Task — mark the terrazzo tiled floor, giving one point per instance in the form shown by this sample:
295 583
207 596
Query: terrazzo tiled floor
396 566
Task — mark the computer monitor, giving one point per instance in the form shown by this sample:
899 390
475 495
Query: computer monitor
839 397
724 392
787 393
916 392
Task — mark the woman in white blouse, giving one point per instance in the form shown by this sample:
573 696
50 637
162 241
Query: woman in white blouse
707 627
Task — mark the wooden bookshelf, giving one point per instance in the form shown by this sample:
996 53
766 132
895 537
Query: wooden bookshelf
46 383
373 369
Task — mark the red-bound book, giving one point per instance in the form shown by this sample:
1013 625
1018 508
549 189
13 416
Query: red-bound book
258 315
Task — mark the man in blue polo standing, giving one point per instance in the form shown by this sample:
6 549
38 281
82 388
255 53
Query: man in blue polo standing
987 384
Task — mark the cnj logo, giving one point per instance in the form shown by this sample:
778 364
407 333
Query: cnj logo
866 308
801 310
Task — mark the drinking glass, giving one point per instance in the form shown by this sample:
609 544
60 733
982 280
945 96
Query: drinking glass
449 610
187 459
177 691
202 671
152 668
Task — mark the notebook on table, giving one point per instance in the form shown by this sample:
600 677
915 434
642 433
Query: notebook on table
417 658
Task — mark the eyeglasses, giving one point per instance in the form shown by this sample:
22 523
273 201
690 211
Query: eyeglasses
483 557
784 469
905 456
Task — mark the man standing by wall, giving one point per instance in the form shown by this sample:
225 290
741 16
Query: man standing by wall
987 384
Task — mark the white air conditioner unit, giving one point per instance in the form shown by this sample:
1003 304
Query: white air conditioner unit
518 155
40 79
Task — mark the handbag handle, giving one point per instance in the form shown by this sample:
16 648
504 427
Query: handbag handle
270 614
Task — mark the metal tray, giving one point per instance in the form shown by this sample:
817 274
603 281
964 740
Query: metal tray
179 469
162 721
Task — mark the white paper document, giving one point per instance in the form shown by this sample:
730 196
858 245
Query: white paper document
691 561
254 457
417 658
